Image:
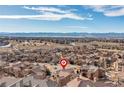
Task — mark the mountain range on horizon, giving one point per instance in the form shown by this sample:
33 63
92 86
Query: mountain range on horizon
72 34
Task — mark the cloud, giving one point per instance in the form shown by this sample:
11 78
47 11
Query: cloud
119 12
111 11
49 13
53 13
47 16
49 9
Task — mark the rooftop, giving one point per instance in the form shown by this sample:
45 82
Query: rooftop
80 82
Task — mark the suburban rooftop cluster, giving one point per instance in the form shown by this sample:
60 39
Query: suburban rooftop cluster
34 62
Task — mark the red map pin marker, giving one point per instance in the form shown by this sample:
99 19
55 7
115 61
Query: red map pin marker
63 63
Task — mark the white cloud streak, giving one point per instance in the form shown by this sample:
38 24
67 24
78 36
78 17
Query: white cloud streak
49 9
50 16
111 11
48 13
119 12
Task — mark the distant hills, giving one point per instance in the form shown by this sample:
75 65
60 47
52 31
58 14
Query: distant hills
74 35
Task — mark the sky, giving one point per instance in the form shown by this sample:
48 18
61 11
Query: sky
62 18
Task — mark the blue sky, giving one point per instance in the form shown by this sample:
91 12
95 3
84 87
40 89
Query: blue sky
62 18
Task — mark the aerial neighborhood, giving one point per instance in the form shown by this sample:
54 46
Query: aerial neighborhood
35 62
